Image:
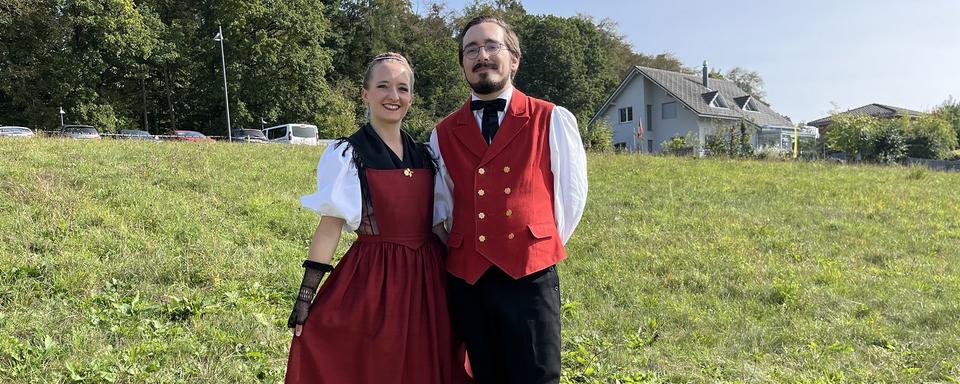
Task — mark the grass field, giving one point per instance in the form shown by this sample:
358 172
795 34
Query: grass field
165 262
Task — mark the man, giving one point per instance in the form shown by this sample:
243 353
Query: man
514 187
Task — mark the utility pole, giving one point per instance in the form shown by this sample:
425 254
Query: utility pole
226 94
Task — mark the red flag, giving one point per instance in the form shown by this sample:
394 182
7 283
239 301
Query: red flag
640 129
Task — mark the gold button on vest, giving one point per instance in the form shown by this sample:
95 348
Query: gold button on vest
507 190
481 171
481 192
509 212
506 169
483 238
481 215
510 236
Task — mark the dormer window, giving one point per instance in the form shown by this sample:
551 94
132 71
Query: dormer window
713 99
718 102
747 103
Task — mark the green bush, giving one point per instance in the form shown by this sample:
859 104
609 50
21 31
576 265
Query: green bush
419 124
930 137
887 144
102 116
770 153
598 138
852 134
954 155
678 146
338 117
730 140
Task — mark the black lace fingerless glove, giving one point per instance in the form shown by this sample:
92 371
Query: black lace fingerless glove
312 275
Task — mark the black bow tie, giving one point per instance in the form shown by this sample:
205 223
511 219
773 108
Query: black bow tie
497 104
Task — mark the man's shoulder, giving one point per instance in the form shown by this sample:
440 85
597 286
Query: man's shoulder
448 120
537 103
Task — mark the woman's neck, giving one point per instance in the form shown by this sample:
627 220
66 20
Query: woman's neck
390 134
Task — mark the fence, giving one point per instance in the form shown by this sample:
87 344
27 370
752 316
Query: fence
939 165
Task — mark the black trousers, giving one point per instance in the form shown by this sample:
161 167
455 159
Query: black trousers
511 327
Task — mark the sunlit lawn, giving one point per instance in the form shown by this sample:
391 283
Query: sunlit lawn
178 262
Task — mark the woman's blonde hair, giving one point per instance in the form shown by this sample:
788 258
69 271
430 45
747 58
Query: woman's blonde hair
384 57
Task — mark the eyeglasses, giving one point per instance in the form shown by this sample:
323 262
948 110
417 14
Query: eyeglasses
473 51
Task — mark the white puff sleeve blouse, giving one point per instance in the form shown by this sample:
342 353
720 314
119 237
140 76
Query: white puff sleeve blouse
338 187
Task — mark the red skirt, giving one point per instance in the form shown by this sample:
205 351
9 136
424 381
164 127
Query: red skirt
380 318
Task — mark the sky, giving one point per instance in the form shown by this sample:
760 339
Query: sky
815 56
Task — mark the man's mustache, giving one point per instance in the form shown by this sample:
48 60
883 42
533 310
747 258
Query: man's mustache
485 65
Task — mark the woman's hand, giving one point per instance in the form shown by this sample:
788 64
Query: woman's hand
441 232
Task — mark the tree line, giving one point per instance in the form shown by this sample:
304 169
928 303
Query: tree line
154 64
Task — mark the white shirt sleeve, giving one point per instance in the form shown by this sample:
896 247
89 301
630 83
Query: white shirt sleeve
442 187
338 187
568 161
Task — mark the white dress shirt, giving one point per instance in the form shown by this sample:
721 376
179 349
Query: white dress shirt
568 162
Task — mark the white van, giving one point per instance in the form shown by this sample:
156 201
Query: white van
305 134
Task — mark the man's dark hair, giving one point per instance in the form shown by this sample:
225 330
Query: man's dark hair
512 41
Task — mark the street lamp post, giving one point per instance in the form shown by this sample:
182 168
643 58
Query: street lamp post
61 117
226 95
262 122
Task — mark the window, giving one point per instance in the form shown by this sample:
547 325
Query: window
718 102
277 133
750 106
626 114
668 110
648 124
649 146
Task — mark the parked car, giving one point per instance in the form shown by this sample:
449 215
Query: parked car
12 131
250 135
135 134
193 136
305 134
80 132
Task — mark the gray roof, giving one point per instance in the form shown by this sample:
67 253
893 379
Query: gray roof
689 90
876 110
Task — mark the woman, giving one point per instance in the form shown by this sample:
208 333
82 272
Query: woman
381 317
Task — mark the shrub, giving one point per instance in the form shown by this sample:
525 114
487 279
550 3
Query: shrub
730 140
678 146
598 138
930 137
102 116
851 134
950 111
887 144
770 153
419 124
954 155
338 117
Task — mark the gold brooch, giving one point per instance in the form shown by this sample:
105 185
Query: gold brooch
408 172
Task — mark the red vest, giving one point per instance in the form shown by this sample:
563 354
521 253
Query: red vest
503 193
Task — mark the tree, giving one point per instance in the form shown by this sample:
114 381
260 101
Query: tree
749 81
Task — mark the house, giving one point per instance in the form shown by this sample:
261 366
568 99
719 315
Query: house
879 111
670 104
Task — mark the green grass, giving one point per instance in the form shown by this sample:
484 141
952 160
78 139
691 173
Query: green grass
177 262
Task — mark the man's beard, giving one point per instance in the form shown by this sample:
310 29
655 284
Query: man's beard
485 86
